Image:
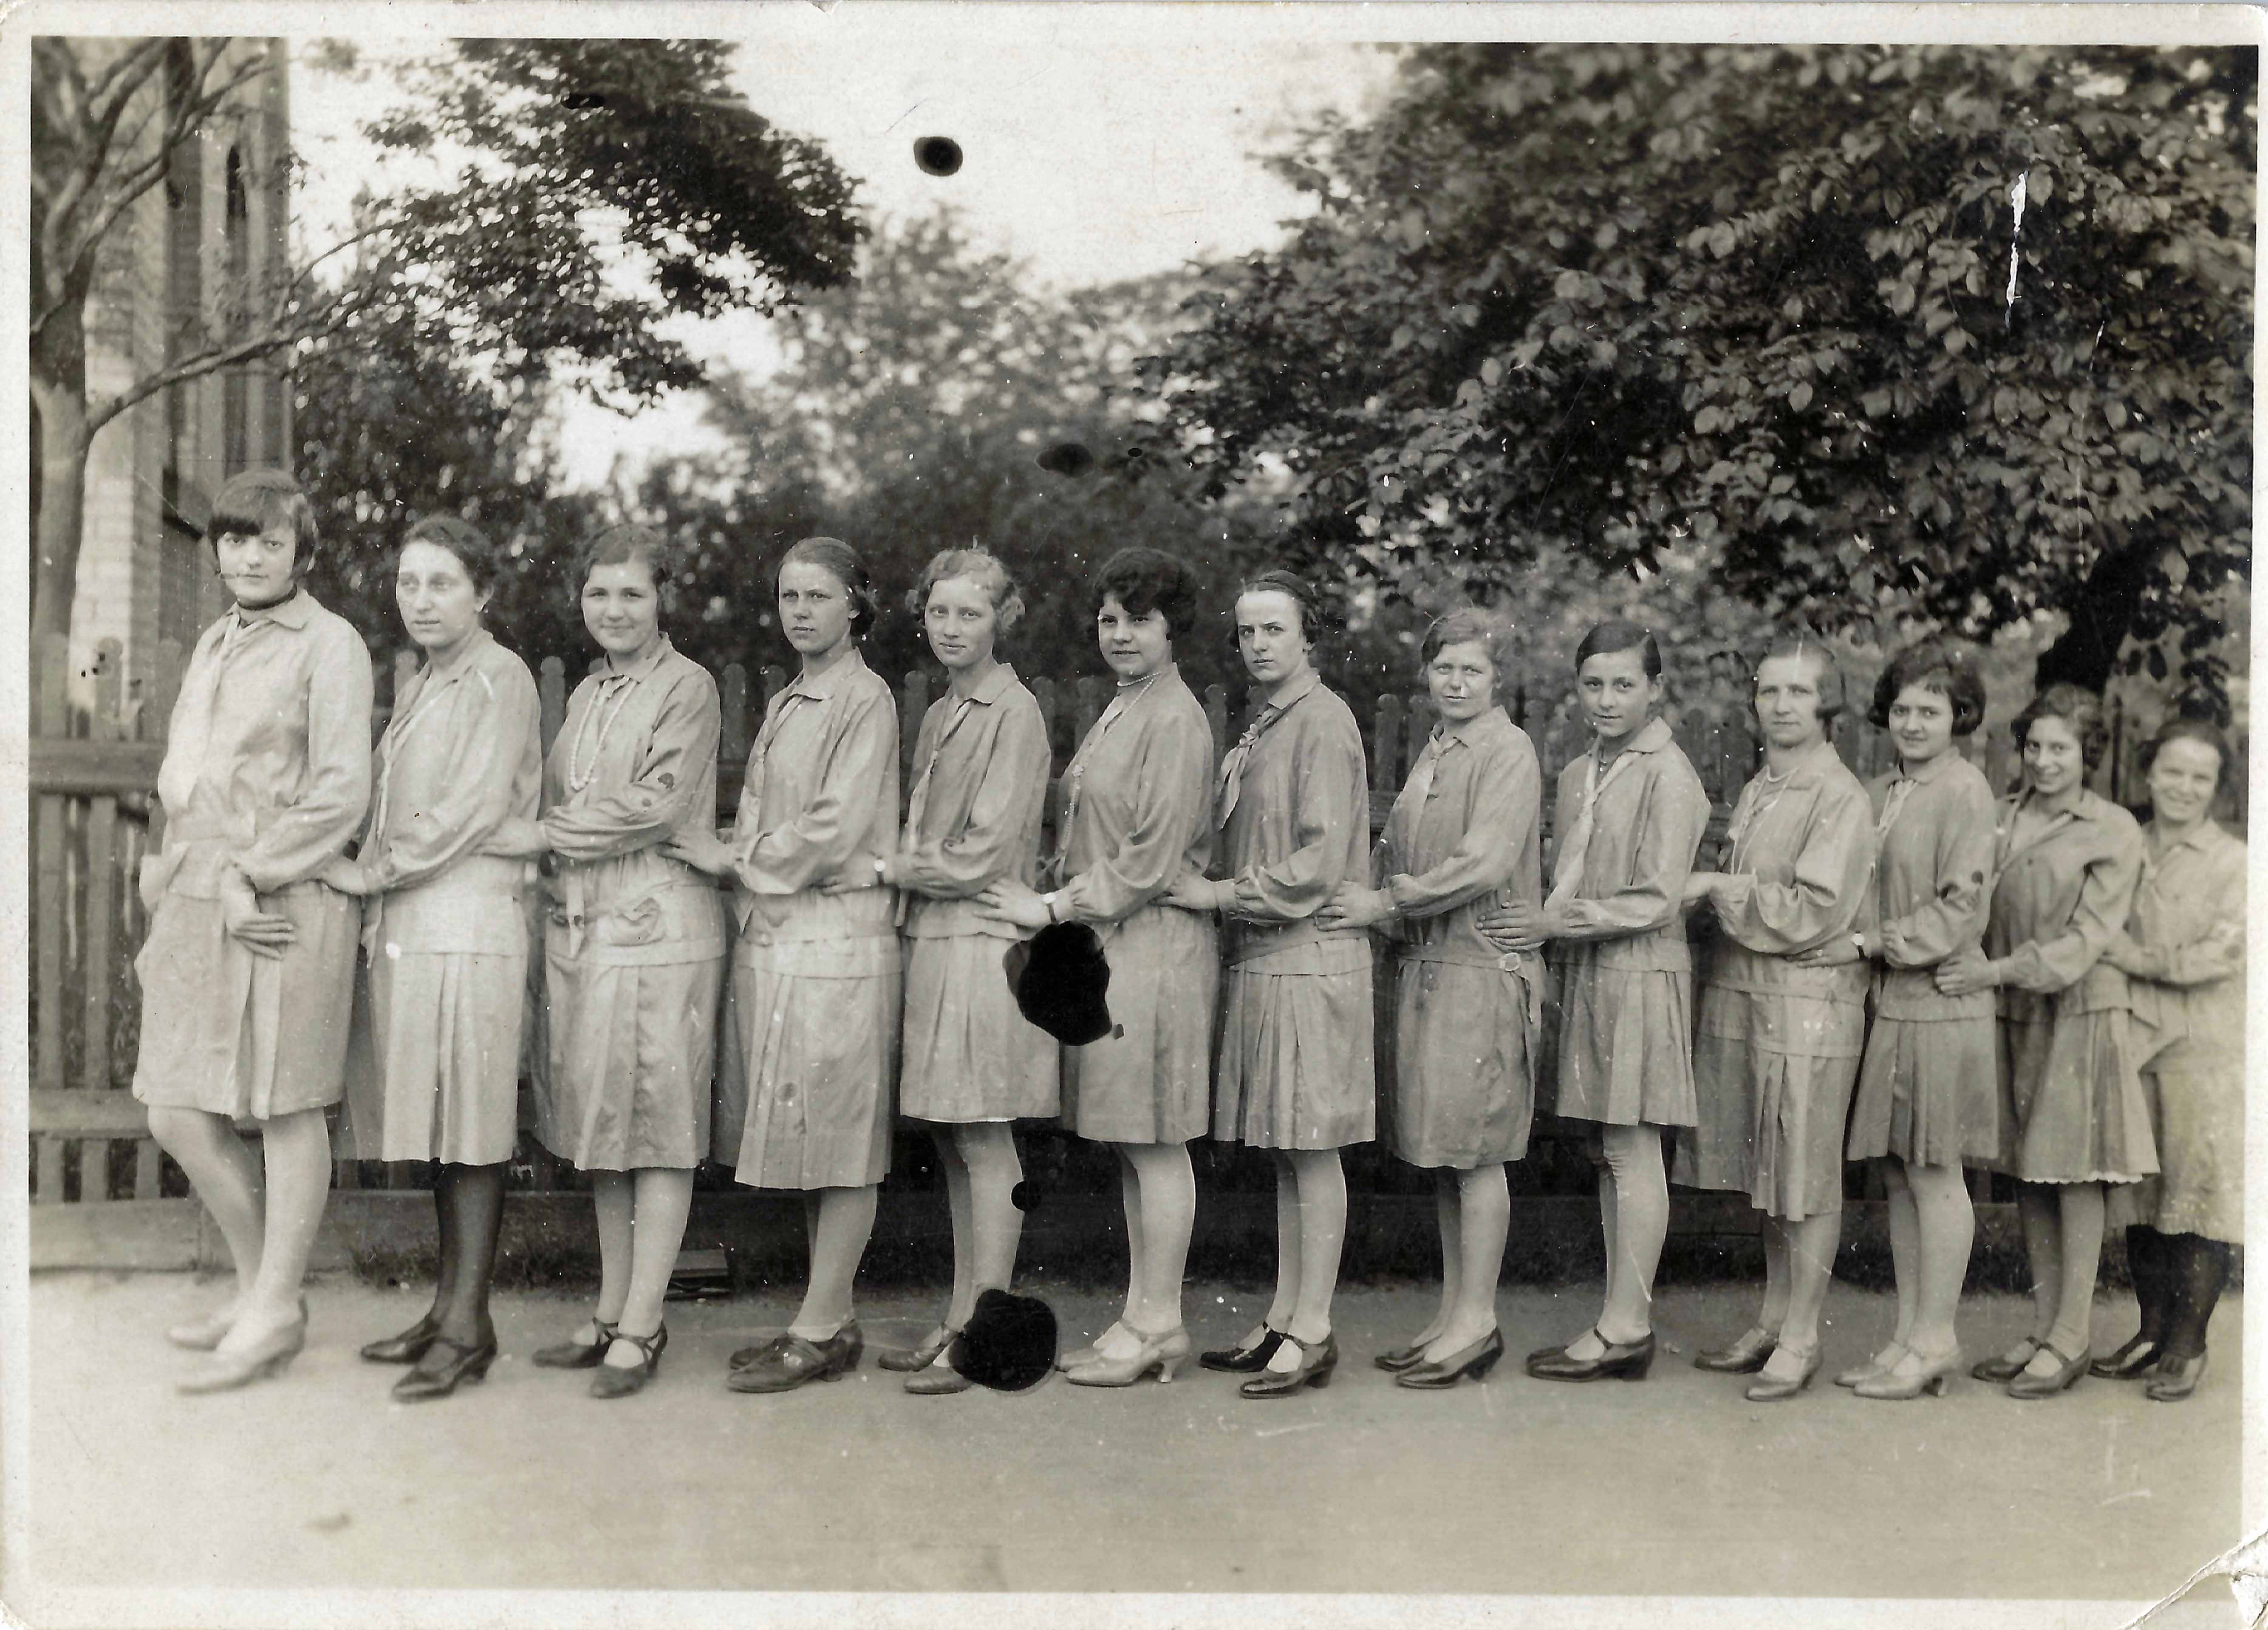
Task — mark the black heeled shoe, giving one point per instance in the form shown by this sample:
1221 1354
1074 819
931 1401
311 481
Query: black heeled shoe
2002 1367
405 1348
1746 1355
1316 1363
2025 1385
575 1354
2176 1379
1244 1361
1476 1361
2128 1362
615 1380
1621 1360
468 1361
1393 1361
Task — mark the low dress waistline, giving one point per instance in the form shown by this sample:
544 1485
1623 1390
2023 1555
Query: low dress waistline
1255 941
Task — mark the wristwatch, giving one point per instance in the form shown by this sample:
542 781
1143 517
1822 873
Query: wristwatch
881 871
1049 900
1858 943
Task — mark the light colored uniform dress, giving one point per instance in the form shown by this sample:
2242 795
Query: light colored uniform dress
1292 802
1138 814
1927 1090
2072 1109
2187 929
634 949
1463 838
980 792
433 1065
267 764
1626 836
809 1047
1776 1046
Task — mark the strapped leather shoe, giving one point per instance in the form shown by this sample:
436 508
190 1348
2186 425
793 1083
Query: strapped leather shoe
464 1363
787 1361
2176 1379
1245 1361
1317 1360
2135 1358
921 1357
405 1348
2004 1366
618 1381
1747 1354
1772 1389
1622 1360
577 1354
1393 1361
2026 1385
1476 1361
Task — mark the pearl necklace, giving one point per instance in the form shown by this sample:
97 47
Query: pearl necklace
579 778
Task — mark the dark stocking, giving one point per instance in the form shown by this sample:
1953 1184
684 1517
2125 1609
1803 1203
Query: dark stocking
2200 1269
475 1195
2149 1256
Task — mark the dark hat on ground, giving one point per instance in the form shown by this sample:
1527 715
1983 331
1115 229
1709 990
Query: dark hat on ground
1009 1343
1059 976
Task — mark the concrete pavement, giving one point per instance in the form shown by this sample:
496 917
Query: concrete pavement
1675 1486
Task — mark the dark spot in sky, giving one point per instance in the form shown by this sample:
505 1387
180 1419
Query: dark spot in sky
938 155
584 98
1067 458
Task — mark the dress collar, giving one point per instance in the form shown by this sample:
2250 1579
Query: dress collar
291 612
644 667
1300 693
852 661
1929 772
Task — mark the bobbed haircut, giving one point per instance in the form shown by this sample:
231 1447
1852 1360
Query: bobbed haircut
1314 614
1466 625
1936 665
980 566
1801 642
253 501
1606 638
620 545
1144 580
2186 729
841 562
2081 710
482 560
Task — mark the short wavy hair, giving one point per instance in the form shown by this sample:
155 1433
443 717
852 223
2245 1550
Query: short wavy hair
842 563
1315 615
482 560
1936 665
1797 642
2077 707
1466 625
2184 728
1144 580
253 501
983 566
620 545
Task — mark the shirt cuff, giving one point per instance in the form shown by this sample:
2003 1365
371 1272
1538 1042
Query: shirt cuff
1402 888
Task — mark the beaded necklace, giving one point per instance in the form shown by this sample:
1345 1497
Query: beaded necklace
579 778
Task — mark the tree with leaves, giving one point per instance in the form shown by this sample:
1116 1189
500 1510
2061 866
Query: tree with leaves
1777 304
589 190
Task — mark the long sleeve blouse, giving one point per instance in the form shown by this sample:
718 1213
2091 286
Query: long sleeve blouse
2186 939
267 759
1299 826
1646 827
1467 833
980 793
461 755
1797 861
2063 887
1933 883
1138 804
820 800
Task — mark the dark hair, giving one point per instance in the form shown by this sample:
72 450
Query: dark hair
1466 625
2181 728
1313 614
1802 643
2081 710
252 501
985 567
1144 580
842 562
1607 637
482 561
620 545
1938 665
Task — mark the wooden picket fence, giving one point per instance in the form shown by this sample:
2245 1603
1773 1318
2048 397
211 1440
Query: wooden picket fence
94 815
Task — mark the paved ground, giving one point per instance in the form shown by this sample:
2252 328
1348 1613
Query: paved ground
1676 1487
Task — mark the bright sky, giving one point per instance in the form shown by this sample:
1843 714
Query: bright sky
1091 159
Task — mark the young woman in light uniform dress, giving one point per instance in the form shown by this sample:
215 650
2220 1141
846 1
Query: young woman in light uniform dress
810 1051
247 970
634 949
1463 837
433 1068
1137 811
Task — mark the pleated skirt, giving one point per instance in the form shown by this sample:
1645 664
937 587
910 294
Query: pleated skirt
1623 1041
1770 1121
1929 1092
969 1053
2072 1109
1296 1069
433 1062
248 1037
631 1049
2196 1100
1462 1091
1150 1081
804 1069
